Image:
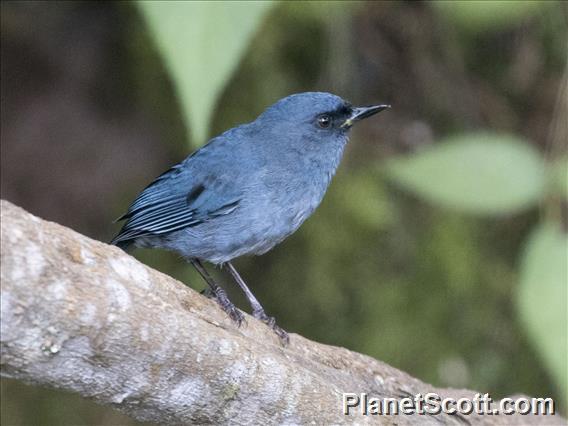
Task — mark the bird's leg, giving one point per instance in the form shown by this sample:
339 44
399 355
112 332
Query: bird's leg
257 309
219 294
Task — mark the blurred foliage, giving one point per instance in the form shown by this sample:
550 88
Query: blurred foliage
483 15
476 173
543 297
201 43
559 178
428 252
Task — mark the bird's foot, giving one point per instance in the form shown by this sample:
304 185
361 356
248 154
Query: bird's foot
271 322
221 297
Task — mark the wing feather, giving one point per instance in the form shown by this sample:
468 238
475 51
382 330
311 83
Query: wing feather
168 205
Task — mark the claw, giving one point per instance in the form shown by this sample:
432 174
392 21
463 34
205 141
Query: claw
231 310
271 322
235 315
282 334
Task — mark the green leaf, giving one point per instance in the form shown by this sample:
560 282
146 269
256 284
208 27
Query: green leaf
559 177
201 43
486 15
542 298
476 173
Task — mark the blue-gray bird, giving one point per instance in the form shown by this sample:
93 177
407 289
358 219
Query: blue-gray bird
246 190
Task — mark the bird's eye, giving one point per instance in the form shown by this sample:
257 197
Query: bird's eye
324 121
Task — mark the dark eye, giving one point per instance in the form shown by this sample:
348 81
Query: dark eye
324 121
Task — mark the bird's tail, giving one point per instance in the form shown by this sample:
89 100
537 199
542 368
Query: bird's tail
125 245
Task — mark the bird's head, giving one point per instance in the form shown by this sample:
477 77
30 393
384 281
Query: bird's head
317 113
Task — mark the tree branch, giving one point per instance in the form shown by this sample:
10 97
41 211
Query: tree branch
83 316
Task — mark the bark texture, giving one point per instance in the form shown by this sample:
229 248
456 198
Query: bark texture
80 315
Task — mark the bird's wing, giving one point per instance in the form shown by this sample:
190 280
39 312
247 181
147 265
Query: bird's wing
172 202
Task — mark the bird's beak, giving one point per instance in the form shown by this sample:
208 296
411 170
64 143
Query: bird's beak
363 112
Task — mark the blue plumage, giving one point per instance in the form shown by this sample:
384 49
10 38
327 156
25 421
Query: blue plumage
247 189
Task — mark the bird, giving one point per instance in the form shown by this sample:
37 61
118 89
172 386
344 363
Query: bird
246 190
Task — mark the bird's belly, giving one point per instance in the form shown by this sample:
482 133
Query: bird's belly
274 226
246 231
